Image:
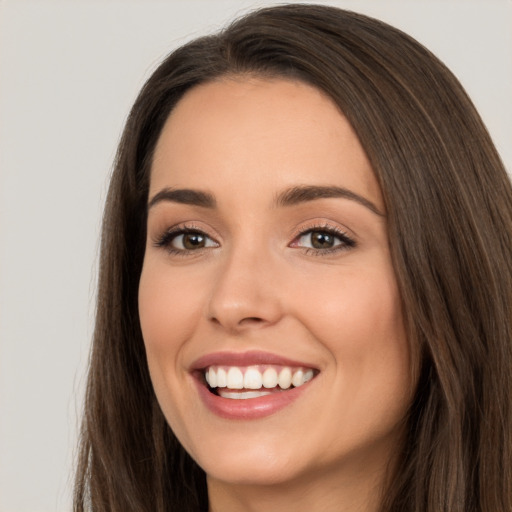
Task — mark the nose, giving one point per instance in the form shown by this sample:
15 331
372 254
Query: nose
245 294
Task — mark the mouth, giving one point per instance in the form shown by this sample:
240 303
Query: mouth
250 385
249 382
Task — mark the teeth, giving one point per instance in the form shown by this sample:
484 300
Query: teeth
307 376
256 378
285 378
212 378
242 395
270 378
252 379
222 378
235 378
297 379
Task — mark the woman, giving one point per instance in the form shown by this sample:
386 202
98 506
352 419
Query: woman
305 282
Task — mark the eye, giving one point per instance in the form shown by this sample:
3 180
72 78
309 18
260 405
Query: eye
323 240
185 240
319 240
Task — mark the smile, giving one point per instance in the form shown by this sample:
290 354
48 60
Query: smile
250 385
235 382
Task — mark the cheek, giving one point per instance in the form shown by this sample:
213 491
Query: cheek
357 310
168 309
359 321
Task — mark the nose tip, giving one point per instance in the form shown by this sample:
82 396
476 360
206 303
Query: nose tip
244 299
250 314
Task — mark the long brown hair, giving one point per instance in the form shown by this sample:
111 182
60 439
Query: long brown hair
449 213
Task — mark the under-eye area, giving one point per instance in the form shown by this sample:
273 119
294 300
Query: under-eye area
245 382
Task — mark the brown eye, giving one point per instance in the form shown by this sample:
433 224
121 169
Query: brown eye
184 241
322 240
193 241
319 239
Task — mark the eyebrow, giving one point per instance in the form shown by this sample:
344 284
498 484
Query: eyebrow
184 196
305 193
289 197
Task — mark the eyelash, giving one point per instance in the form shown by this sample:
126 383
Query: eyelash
166 239
346 241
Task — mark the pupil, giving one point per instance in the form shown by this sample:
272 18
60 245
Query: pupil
193 241
321 240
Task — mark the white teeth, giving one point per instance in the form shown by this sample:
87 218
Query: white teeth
235 378
270 378
244 395
222 378
297 379
212 378
285 378
251 377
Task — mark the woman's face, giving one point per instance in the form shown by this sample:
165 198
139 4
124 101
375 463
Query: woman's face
267 270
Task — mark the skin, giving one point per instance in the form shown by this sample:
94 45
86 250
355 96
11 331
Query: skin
259 285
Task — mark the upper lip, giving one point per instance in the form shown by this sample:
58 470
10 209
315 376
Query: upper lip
250 358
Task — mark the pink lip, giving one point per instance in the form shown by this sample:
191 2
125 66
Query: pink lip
250 358
253 408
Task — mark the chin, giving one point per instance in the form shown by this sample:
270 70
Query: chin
256 466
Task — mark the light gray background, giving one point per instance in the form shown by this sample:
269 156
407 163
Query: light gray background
69 71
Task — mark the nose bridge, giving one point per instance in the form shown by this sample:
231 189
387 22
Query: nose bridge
244 292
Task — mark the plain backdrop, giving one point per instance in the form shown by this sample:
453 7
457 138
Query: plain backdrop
69 71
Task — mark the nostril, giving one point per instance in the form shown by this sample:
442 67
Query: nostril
246 320
251 320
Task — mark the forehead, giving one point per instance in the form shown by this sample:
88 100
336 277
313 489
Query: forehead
273 132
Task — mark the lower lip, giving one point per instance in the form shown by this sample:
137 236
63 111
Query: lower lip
250 408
